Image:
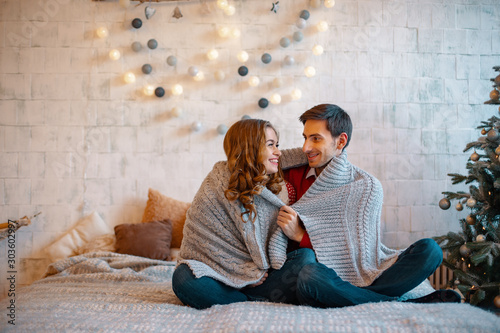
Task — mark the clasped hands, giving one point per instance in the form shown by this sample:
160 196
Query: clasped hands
288 220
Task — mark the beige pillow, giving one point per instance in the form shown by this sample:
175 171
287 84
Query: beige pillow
160 207
86 229
104 243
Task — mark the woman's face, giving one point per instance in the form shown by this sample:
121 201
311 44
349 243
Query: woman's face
271 153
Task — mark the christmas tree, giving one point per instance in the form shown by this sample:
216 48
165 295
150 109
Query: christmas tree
474 252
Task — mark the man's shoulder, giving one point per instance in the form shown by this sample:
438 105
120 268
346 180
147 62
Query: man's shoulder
297 171
365 176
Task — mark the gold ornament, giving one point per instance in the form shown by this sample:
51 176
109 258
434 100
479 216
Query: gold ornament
484 131
465 251
497 80
471 220
496 301
177 13
474 157
492 134
497 150
480 238
459 207
471 202
444 204
494 95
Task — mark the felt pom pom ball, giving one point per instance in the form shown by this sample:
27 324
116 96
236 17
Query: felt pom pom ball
301 23
266 58
136 46
243 70
222 129
263 103
193 70
289 60
146 69
285 42
159 92
304 14
152 44
298 36
196 126
171 60
137 23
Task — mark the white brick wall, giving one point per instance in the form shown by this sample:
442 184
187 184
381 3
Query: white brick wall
75 138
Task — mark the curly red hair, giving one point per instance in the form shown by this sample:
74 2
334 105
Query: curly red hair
244 144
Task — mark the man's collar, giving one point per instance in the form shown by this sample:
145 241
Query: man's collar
311 172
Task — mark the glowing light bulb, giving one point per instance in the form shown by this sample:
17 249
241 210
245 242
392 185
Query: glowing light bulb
242 56
102 32
222 4
114 54
235 33
296 94
125 3
310 71
315 3
149 90
177 112
129 77
219 75
212 54
223 32
275 98
229 10
318 50
177 89
329 3
322 26
253 81
199 77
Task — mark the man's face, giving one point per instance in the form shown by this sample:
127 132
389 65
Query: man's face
319 144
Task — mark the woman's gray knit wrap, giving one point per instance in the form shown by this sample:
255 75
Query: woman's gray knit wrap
341 212
217 243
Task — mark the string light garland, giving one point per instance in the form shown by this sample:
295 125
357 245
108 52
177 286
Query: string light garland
225 31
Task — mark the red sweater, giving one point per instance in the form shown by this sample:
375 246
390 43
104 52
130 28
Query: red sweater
297 178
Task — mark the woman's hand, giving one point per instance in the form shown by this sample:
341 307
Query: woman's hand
258 283
288 220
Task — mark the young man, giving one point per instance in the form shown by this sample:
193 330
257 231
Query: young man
338 215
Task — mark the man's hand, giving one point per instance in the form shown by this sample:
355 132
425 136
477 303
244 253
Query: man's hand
288 220
258 283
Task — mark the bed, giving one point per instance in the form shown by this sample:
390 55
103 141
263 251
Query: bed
112 292
103 279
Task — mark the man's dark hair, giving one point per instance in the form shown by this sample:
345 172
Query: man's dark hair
337 120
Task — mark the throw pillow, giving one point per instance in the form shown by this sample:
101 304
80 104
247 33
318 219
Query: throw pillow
150 240
84 230
160 207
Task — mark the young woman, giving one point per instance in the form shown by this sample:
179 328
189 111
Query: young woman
231 225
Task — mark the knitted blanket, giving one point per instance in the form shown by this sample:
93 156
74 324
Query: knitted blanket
341 212
217 243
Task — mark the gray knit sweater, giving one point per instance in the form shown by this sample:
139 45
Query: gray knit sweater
341 212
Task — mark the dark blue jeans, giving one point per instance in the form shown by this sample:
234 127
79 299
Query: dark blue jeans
280 286
320 286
